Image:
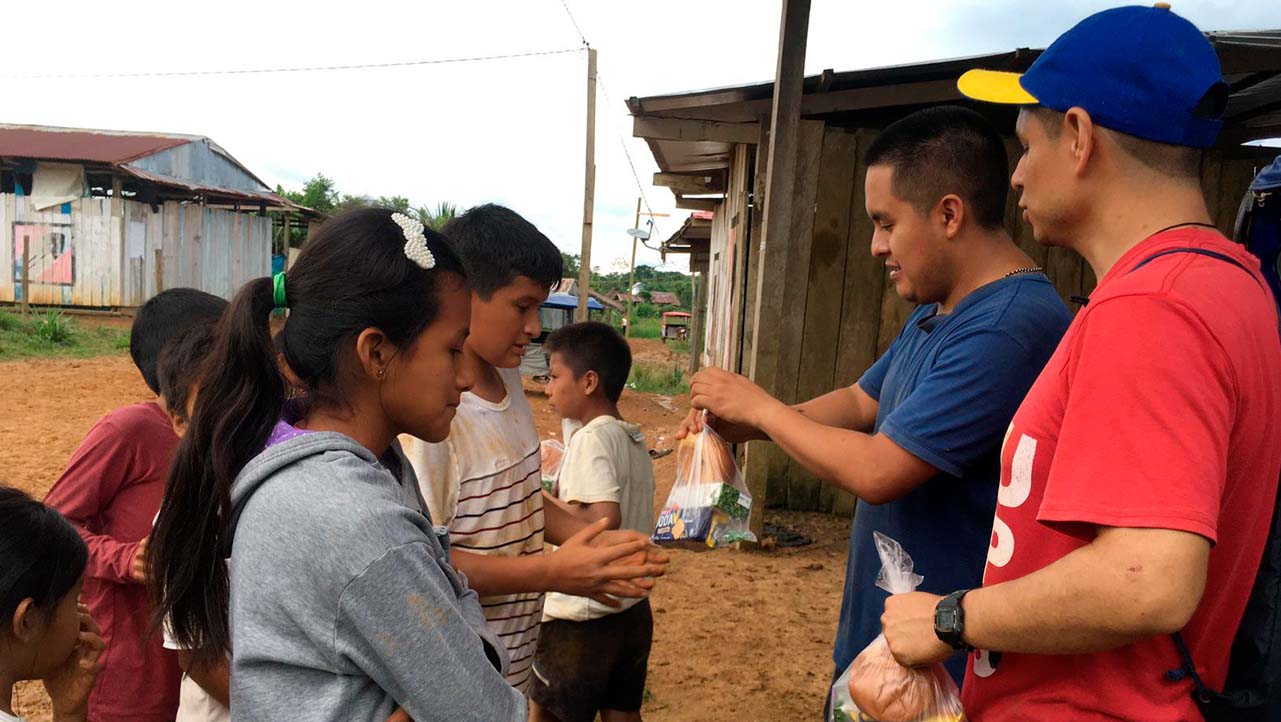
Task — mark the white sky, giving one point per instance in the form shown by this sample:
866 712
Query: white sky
507 131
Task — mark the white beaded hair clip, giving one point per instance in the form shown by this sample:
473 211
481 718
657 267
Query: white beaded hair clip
416 248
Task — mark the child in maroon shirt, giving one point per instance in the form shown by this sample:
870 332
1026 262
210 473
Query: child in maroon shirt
111 491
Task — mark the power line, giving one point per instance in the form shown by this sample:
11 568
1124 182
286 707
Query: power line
635 176
621 140
575 22
299 69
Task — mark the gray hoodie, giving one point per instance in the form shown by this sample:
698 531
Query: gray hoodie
343 600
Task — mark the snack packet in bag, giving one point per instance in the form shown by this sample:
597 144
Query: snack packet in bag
552 453
875 687
709 502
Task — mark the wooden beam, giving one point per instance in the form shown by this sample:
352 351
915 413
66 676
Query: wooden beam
825 80
694 130
785 121
868 98
698 204
691 184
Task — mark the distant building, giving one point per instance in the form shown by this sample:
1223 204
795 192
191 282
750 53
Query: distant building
105 219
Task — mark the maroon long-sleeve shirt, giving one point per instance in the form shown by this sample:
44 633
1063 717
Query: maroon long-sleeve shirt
111 491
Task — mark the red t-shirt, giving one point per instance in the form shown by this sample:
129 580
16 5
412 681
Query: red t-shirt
1154 412
111 491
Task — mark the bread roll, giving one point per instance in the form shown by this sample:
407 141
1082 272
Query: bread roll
887 691
716 464
552 452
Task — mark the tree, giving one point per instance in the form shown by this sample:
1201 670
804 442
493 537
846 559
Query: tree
436 218
321 194
570 260
395 203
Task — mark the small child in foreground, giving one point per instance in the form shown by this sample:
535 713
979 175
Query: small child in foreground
591 657
45 633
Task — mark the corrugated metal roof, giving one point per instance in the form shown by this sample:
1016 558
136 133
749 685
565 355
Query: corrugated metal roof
204 188
125 152
98 146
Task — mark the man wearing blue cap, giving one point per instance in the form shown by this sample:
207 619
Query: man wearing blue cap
1138 476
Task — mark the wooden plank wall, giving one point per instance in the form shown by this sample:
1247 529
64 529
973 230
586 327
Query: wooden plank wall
842 313
211 249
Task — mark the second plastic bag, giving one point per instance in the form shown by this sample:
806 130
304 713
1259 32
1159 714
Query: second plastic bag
709 502
551 453
875 687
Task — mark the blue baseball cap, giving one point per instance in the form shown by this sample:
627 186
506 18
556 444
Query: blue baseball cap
1142 71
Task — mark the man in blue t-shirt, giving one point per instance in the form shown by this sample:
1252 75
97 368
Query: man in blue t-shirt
917 438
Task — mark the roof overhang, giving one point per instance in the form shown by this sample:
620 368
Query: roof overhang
693 133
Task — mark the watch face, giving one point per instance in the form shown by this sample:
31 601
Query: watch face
945 619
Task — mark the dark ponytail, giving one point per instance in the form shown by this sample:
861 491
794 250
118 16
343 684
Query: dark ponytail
352 275
41 555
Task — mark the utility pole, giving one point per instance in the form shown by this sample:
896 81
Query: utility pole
589 192
631 278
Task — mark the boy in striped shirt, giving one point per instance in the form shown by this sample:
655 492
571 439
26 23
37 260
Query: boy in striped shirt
484 481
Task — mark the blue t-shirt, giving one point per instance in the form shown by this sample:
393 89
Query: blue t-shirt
947 389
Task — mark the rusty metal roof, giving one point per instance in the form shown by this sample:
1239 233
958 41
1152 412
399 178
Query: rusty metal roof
123 151
98 146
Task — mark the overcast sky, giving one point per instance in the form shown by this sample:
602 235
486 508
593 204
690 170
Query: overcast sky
507 131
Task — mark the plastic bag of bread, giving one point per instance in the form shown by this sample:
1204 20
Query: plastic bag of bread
709 502
552 453
875 687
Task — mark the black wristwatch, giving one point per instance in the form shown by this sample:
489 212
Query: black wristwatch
949 620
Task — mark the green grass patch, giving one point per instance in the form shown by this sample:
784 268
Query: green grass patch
658 380
646 328
55 334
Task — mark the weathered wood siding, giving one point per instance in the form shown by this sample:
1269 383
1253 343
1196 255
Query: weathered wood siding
113 260
840 312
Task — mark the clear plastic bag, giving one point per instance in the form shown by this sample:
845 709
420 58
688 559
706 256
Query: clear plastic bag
875 687
551 453
709 502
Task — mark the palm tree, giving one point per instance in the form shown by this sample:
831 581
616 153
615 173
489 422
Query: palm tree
435 218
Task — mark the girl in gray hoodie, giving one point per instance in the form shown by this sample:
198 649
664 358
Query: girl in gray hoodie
341 602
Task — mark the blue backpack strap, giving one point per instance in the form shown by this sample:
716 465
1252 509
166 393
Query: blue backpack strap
1218 257
1198 251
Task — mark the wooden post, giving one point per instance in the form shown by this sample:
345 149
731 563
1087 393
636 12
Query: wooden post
286 234
26 274
589 192
160 270
698 303
631 278
118 220
781 161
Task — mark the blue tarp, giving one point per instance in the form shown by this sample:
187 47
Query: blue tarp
564 300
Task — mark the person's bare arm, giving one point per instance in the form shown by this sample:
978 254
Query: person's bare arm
1125 585
579 567
214 678
559 521
872 467
849 408
845 408
595 511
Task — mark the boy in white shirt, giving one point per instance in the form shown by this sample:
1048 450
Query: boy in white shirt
592 657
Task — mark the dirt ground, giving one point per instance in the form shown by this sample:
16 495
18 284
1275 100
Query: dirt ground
737 635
